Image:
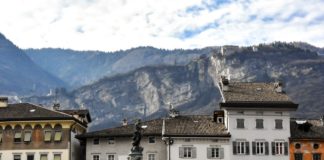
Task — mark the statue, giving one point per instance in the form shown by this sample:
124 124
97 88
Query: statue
136 150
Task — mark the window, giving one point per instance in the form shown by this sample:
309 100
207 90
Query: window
57 156
240 123
279 148
151 139
220 119
187 152
259 123
48 136
111 140
111 157
43 157
96 141
30 157
316 146
27 136
17 157
316 156
151 156
95 157
297 146
298 156
278 124
0 139
241 147
17 137
58 136
215 152
260 148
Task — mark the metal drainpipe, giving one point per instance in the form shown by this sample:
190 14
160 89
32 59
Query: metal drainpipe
70 140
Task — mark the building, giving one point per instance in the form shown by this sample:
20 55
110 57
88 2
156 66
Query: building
32 132
307 140
172 138
258 117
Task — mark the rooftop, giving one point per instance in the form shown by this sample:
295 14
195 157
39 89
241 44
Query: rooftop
309 129
180 126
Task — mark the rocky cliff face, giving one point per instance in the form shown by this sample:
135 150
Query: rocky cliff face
192 88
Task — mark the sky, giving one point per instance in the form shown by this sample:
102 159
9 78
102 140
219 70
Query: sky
110 25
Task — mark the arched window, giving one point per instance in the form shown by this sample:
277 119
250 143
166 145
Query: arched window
58 133
7 134
47 133
38 135
18 134
27 133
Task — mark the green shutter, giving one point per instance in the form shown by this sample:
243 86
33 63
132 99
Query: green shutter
209 153
234 147
273 146
286 148
43 157
221 153
194 152
57 157
27 136
181 152
58 136
253 148
266 148
247 148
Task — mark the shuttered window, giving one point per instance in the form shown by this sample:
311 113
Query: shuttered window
27 136
95 157
187 152
260 148
151 139
316 156
213 153
259 123
17 137
298 156
47 136
17 157
279 148
278 124
241 147
151 156
43 157
57 156
58 136
240 123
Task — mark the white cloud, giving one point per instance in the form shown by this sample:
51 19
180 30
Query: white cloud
121 24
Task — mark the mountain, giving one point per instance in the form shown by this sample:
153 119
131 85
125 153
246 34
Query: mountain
20 75
147 92
78 68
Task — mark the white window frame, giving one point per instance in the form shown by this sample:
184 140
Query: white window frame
16 155
215 152
187 152
279 148
109 158
240 147
260 147
93 157
111 140
151 158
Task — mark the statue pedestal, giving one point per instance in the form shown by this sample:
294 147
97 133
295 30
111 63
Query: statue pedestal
136 156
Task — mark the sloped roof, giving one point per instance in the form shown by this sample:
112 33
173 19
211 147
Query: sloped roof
181 126
300 131
254 94
80 112
27 111
197 125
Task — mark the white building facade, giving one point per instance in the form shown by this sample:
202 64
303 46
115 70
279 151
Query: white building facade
258 118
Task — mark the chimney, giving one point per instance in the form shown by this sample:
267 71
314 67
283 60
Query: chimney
278 87
172 112
125 123
56 106
225 83
3 102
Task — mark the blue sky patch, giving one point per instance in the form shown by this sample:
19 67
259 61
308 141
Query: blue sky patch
189 33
